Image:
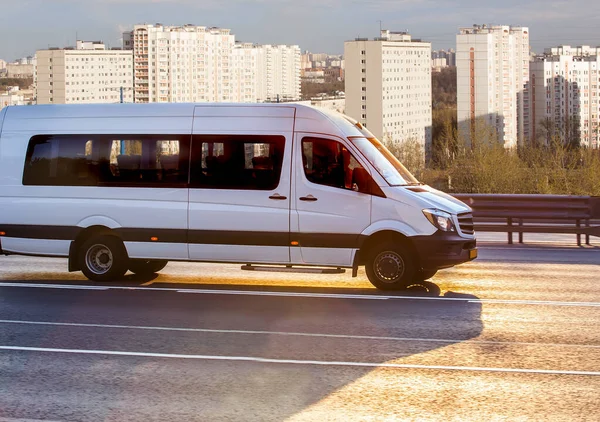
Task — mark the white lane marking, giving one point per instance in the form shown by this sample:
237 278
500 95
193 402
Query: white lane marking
298 294
285 294
533 302
55 286
552 248
299 362
296 334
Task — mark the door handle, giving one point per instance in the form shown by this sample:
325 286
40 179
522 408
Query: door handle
308 198
277 197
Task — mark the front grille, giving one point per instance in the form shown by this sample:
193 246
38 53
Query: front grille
465 222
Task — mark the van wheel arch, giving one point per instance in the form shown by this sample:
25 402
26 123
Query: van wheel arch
81 238
380 238
391 261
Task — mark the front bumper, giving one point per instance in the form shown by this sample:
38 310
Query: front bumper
444 250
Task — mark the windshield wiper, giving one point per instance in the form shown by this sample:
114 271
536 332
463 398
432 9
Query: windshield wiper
412 184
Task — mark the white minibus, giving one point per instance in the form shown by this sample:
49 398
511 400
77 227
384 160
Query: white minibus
118 187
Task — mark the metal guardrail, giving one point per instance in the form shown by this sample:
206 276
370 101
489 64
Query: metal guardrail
520 214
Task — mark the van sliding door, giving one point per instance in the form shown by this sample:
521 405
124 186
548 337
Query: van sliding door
239 201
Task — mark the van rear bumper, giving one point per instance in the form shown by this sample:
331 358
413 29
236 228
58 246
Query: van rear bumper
444 250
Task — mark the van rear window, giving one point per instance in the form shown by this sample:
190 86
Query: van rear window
101 160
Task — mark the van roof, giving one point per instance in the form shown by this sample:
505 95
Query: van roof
130 109
308 118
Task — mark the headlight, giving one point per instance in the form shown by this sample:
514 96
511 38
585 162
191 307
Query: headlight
440 219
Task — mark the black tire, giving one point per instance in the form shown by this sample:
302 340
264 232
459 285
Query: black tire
425 274
103 258
391 266
146 266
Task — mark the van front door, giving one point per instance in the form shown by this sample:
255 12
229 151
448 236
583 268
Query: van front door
239 204
330 209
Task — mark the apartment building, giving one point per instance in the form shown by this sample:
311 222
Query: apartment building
247 80
180 63
18 70
492 80
89 73
388 86
564 95
279 73
444 58
199 64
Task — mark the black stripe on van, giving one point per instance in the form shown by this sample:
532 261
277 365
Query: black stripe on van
246 238
199 237
328 240
41 232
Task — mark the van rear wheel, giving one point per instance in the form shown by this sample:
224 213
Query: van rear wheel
103 258
146 266
390 267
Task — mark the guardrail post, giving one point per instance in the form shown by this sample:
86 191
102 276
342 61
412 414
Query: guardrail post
510 233
587 234
578 222
521 230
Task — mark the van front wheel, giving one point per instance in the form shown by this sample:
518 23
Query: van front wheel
103 258
146 266
390 267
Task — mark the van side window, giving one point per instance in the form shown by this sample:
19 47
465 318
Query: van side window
107 160
327 162
245 162
143 160
60 161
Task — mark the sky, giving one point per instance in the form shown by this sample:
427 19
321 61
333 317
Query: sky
314 25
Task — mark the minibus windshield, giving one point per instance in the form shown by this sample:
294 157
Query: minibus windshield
390 168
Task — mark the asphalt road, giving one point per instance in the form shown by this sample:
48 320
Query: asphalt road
514 335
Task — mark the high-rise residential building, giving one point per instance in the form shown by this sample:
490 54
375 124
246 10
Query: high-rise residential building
447 56
305 62
199 64
87 74
388 86
181 64
492 80
438 64
280 73
565 95
21 71
247 79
